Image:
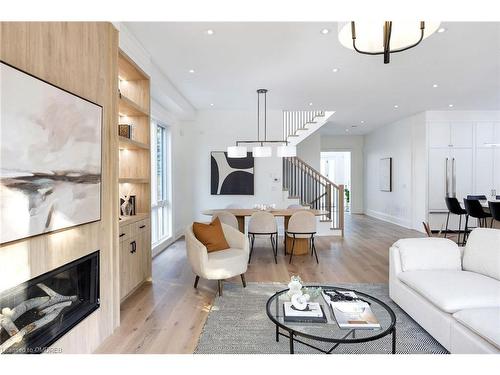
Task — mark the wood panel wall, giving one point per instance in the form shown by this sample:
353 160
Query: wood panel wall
81 58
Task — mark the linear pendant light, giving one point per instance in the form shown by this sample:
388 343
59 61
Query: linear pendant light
262 149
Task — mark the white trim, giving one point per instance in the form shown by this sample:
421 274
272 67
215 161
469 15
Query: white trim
165 244
389 218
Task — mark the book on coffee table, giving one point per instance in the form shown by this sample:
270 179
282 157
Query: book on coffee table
313 313
353 313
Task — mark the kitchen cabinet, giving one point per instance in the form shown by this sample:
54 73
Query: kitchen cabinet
450 134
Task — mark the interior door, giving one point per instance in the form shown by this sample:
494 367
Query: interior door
463 164
439 159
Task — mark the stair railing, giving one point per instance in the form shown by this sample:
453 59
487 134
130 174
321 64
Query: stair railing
294 121
313 189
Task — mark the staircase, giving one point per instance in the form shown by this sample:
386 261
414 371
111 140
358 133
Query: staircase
302 181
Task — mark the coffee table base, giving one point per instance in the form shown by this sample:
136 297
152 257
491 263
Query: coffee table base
352 332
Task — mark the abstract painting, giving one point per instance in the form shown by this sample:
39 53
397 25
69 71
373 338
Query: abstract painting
231 176
385 174
50 157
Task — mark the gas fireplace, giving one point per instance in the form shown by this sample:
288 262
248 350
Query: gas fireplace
35 314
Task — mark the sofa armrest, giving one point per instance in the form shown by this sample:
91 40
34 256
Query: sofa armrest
235 238
428 254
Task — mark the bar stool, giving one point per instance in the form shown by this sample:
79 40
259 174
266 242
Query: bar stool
263 224
302 224
454 208
495 211
475 210
477 197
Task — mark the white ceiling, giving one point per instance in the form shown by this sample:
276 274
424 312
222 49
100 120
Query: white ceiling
295 61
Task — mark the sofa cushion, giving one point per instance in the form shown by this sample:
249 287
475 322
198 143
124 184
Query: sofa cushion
428 254
484 322
451 291
482 252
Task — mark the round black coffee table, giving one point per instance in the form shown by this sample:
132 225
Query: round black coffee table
330 332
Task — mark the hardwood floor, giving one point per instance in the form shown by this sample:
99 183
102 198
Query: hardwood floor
168 315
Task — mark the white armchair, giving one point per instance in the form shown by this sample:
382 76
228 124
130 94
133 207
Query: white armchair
222 264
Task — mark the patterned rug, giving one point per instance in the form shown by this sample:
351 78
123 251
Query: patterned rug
238 324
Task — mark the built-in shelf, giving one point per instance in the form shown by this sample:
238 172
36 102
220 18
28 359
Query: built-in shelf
127 107
130 144
131 180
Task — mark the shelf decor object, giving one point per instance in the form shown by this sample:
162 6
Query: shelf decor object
51 157
384 38
262 148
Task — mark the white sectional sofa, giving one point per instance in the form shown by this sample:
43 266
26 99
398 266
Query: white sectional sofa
452 292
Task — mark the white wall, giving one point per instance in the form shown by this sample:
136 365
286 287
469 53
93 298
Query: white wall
214 130
405 142
309 150
353 143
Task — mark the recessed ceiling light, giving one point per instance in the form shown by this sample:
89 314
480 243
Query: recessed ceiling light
396 106
325 31
450 105
191 71
335 70
210 32
310 104
362 121
347 130
435 85
211 104
441 30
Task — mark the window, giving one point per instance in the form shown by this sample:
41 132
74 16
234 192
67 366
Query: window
160 210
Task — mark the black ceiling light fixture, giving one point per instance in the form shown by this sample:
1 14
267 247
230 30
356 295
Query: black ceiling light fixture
384 38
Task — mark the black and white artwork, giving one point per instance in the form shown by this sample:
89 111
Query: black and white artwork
50 157
385 174
231 176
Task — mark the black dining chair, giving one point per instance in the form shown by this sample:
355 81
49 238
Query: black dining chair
475 210
454 208
477 197
495 211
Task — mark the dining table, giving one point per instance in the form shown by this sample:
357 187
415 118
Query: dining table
301 245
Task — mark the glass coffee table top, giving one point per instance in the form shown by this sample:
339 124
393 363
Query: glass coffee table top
330 331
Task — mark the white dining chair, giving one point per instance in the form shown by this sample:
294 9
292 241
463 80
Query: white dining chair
302 224
226 218
263 224
295 207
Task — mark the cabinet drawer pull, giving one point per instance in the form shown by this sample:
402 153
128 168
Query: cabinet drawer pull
134 247
142 226
122 234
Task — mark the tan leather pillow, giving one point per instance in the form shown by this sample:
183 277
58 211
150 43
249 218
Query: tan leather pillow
211 235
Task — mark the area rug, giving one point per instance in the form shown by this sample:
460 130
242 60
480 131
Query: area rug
238 324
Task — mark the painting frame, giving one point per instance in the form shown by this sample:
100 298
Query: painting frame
242 187
385 174
101 157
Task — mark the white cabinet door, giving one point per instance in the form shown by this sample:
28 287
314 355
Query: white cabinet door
461 134
484 169
439 134
496 139
485 133
496 170
463 165
437 177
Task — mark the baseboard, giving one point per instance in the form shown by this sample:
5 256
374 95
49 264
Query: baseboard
389 218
